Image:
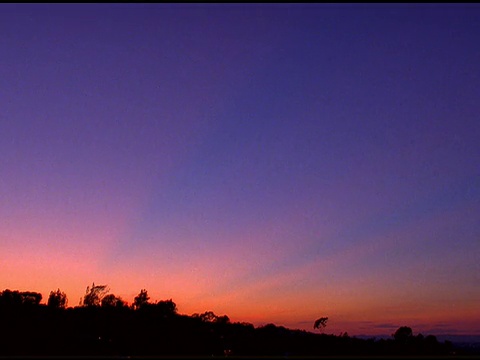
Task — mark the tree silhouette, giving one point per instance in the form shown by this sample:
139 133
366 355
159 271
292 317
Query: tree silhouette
30 298
210 317
10 298
94 295
207 316
402 334
320 323
57 299
111 300
17 298
105 326
166 307
224 319
141 299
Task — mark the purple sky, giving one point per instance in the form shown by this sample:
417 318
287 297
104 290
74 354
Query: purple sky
276 163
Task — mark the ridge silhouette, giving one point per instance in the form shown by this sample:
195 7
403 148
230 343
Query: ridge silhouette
104 324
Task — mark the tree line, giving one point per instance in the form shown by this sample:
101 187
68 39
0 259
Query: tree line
106 325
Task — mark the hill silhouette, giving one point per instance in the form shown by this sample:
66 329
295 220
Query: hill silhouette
105 325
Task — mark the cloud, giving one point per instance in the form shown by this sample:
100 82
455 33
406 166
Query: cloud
385 326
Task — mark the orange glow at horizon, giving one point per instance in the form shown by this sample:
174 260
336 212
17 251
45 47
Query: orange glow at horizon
288 298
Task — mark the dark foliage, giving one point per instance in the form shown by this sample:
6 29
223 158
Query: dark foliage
111 300
57 299
141 299
105 326
320 323
94 295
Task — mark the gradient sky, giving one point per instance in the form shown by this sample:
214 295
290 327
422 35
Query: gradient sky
275 163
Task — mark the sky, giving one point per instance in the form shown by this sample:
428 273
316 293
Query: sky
275 163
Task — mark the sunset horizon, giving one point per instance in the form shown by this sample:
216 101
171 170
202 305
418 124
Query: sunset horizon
383 327
272 163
